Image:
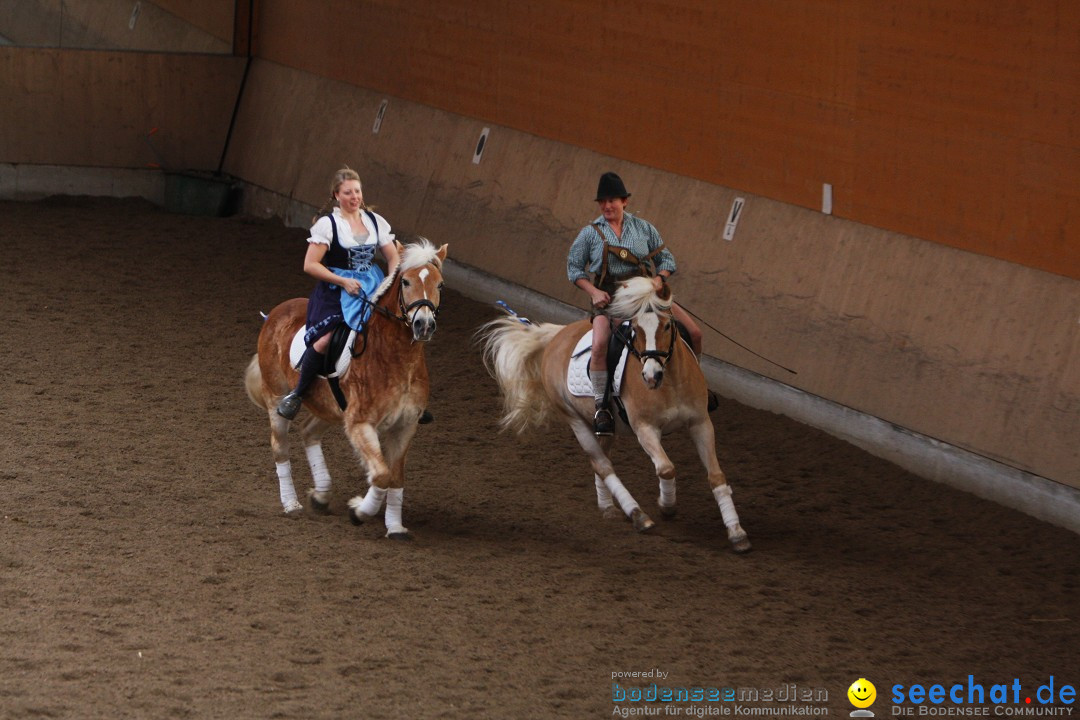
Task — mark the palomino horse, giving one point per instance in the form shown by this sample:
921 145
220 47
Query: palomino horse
530 362
385 385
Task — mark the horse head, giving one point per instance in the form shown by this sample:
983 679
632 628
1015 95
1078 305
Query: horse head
654 336
421 283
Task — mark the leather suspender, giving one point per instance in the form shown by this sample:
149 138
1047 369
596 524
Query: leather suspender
626 256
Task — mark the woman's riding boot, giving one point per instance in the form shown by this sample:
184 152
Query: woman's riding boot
310 367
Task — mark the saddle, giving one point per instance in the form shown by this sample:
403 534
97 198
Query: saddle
577 374
338 356
578 383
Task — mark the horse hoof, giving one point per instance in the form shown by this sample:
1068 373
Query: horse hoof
668 511
611 513
294 509
642 522
357 518
400 535
319 501
741 544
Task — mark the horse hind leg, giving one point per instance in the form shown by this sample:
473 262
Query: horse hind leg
312 433
279 445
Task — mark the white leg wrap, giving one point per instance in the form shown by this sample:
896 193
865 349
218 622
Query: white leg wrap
621 494
372 502
603 495
285 486
722 493
393 510
319 472
667 492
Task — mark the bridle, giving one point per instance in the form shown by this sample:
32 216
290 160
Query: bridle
660 356
403 316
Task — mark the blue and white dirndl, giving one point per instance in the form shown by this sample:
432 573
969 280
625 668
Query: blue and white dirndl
328 306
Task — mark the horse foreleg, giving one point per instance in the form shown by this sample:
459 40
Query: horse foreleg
279 445
603 496
603 499
649 437
395 496
705 441
312 433
365 440
605 471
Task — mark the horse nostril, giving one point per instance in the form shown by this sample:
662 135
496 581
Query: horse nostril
423 328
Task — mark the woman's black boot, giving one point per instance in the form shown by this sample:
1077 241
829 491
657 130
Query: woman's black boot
310 367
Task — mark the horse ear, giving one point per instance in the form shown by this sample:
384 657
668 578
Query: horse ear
441 254
664 293
399 246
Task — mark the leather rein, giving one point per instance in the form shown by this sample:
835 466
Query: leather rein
405 309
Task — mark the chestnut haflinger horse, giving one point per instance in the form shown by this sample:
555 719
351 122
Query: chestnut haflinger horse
662 390
385 386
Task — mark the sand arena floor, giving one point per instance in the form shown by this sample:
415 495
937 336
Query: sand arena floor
146 570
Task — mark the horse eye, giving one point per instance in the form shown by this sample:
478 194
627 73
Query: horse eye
440 286
406 283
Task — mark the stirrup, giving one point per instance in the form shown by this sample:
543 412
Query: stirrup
290 405
714 401
603 422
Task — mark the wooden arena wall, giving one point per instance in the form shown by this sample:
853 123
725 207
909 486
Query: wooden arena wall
963 348
95 108
203 26
941 295
949 120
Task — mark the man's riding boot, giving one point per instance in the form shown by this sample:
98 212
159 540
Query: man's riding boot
310 367
426 417
603 422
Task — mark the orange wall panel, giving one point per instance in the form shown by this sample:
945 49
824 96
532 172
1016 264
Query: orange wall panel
951 121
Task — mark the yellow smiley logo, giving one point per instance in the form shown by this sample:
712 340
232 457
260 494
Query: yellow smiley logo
862 693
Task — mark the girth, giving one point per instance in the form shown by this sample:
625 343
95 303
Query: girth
339 341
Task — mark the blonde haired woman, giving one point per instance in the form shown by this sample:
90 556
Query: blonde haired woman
340 255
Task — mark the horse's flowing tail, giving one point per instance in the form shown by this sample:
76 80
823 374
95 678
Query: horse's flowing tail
512 354
253 382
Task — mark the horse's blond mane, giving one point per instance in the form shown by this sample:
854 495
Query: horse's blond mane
636 296
418 254
413 256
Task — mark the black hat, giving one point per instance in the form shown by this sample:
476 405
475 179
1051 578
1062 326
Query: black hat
611 186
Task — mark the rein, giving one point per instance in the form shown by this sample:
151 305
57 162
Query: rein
405 309
403 317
